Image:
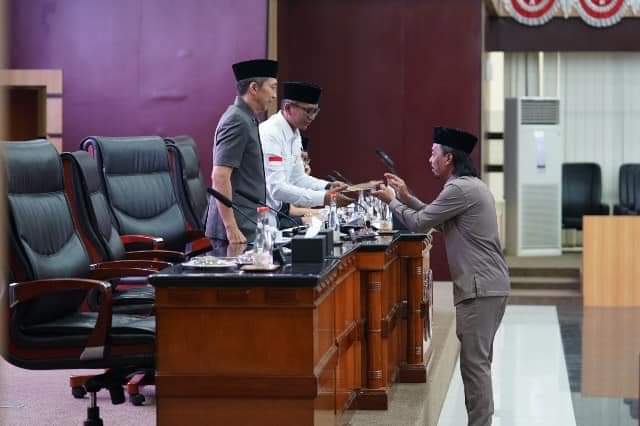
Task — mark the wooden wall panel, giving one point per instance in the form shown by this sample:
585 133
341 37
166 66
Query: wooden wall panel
390 72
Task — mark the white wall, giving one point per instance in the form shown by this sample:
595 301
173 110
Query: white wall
600 104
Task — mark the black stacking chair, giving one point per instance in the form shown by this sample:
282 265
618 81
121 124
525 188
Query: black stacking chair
136 179
628 190
581 193
187 179
47 325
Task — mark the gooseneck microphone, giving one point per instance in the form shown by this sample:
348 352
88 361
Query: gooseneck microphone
341 177
388 162
230 204
260 203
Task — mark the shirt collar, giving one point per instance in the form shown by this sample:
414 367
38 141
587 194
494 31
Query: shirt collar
240 103
288 131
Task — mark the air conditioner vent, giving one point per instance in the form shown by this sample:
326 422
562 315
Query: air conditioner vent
540 111
540 227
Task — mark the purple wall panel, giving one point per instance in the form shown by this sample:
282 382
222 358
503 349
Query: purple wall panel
390 71
140 67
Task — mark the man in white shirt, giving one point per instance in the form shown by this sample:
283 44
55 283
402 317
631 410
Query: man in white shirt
281 144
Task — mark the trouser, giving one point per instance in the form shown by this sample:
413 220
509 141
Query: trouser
477 321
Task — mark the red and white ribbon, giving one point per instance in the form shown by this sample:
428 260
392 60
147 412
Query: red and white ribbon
532 12
602 13
275 160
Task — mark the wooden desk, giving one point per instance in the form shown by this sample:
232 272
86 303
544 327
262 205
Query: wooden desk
396 293
417 284
610 348
610 266
300 346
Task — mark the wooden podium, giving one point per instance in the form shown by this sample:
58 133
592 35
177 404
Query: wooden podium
300 346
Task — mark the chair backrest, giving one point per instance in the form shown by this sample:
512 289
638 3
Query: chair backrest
581 187
91 206
188 181
627 187
137 183
43 236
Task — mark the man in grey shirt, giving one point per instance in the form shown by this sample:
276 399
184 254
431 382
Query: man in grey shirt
237 153
465 212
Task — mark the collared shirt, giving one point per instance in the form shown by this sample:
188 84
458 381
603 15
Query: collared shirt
237 145
285 177
466 214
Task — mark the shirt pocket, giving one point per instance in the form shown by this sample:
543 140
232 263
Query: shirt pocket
465 285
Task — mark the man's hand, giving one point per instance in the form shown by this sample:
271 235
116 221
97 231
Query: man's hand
398 185
235 236
342 200
332 190
337 185
384 193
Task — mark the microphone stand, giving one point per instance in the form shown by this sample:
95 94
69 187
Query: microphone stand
230 204
260 203
341 177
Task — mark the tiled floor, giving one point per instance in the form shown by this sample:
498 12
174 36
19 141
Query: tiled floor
560 366
531 386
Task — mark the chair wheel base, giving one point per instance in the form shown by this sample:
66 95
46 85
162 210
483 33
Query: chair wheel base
78 392
93 417
137 399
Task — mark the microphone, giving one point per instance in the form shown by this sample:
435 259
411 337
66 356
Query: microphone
228 203
341 177
388 162
260 203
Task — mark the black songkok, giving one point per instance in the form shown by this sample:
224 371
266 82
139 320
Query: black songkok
255 68
454 138
301 92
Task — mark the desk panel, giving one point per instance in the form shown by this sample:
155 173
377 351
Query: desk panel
302 345
610 266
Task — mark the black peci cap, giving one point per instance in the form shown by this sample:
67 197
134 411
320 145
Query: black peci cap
255 68
454 138
301 92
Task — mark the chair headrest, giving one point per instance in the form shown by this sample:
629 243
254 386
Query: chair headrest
124 155
89 167
189 152
35 167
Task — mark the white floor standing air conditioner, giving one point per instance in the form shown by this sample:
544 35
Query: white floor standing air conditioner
534 151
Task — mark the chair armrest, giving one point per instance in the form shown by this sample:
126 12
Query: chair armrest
165 255
27 290
194 234
111 273
155 243
197 246
197 243
155 265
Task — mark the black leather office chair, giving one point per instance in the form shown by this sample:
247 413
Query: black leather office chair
137 183
187 179
89 205
581 193
47 326
628 190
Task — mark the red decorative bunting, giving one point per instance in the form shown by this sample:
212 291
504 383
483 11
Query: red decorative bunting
532 12
602 13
